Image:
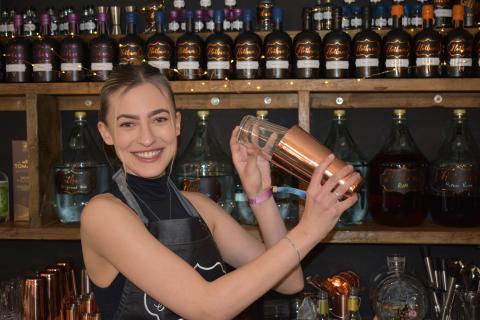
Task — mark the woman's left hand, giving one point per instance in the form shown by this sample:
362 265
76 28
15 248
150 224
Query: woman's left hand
253 169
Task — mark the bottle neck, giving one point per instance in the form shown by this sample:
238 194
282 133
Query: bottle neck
397 22
102 28
400 138
248 25
427 23
218 27
337 22
160 27
366 23
277 25
131 28
45 30
73 28
189 25
18 31
458 24
307 23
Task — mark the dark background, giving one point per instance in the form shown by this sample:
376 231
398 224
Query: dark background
369 127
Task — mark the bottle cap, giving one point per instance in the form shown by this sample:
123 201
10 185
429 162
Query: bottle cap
339 113
247 14
397 10
45 19
262 114
18 20
366 12
130 9
80 115
277 14
102 17
131 17
219 16
356 10
380 10
72 17
458 12
159 16
199 14
173 15
418 9
346 10
459 112
399 112
427 12
407 9
203 114
189 14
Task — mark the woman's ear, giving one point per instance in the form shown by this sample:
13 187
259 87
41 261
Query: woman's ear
178 123
105 133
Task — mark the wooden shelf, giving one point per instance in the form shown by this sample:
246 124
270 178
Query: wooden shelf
369 233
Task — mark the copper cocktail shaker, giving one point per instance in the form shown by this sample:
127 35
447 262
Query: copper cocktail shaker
70 277
34 301
294 150
54 300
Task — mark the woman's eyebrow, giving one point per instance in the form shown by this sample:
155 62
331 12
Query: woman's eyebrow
150 114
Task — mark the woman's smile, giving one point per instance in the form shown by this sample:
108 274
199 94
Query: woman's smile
148 156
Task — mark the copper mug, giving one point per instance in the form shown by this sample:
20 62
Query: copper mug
62 286
71 283
294 150
54 299
34 301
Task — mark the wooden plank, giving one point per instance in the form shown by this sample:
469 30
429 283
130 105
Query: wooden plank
57 231
78 103
33 158
397 100
13 103
237 101
304 110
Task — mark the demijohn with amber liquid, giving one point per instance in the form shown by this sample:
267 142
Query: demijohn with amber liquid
397 179
454 178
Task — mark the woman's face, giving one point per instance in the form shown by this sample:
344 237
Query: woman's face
143 127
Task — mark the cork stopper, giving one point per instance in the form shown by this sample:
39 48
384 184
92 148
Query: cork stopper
340 113
399 113
459 113
458 13
397 10
80 115
262 114
427 12
203 114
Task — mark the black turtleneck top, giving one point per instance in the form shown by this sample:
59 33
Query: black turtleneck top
156 201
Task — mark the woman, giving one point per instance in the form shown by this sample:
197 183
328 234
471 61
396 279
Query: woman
154 252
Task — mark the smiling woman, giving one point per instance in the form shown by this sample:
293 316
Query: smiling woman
154 252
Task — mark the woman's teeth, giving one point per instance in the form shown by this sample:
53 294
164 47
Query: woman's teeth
148 154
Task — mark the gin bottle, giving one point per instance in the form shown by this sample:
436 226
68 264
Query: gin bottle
4 198
205 168
80 174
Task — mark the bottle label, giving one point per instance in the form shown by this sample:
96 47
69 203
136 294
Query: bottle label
11 28
210 25
226 25
318 16
247 51
403 180
397 63
230 3
209 186
356 23
101 66
159 64
82 26
179 3
337 51
428 48
247 65
173 26
72 52
130 53
70 66
218 51
417 21
188 51
459 49
237 25
405 21
217 65
42 54
336 64
183 26
397 49
460 62
29 27
311 64
75 181
198 26
159 51
367 48
90 26
53 27
101 52
42 67
454 179
3 28
366 62
327 15
16 67
205 3
443 13
345 23
188 65
278 50
307 50
427 61
277 64
16 54
4 207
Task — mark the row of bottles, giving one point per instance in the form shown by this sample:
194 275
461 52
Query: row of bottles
219 57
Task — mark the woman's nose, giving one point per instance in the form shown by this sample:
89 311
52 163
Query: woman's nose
146 135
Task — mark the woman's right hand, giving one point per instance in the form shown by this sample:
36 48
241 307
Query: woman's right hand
324 204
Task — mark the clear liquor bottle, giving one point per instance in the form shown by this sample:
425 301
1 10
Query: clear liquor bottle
454 178
81 173
4 198
204 167
343 146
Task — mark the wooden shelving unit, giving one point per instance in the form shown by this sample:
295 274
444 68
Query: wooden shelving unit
42 104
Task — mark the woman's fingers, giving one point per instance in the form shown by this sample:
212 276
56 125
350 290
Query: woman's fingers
347 203
334 180
317 176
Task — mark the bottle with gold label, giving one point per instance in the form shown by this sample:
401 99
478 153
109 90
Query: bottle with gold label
428 47
131 46
248 50
353 305
455 178
277 48
397 47
459 46
367 48
398 178
81 173
189 52
204 167
337 49
219 51
306 50
160 48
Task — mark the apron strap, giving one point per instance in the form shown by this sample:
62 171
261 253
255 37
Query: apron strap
183 201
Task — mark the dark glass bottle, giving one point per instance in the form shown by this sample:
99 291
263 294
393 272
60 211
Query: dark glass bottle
2 62
18 55
306 50
199 26
342 145
219 51
397 47
327 14
173 24
248 50
73 53
356 18
237 23
30 25
459 46
427 47
337 48
160 48
264 15
277 48
45 51
470 13
189 53
204 167
380 17
317 15
367 48
131 47
103 51
398 179
179 6
416 21
443 13
455 178
54 21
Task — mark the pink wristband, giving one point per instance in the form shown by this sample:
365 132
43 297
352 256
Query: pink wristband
259 198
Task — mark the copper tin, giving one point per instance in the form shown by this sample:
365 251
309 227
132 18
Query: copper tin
71 281
299 154
71 312
34 300
61 276
84 283
54 300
